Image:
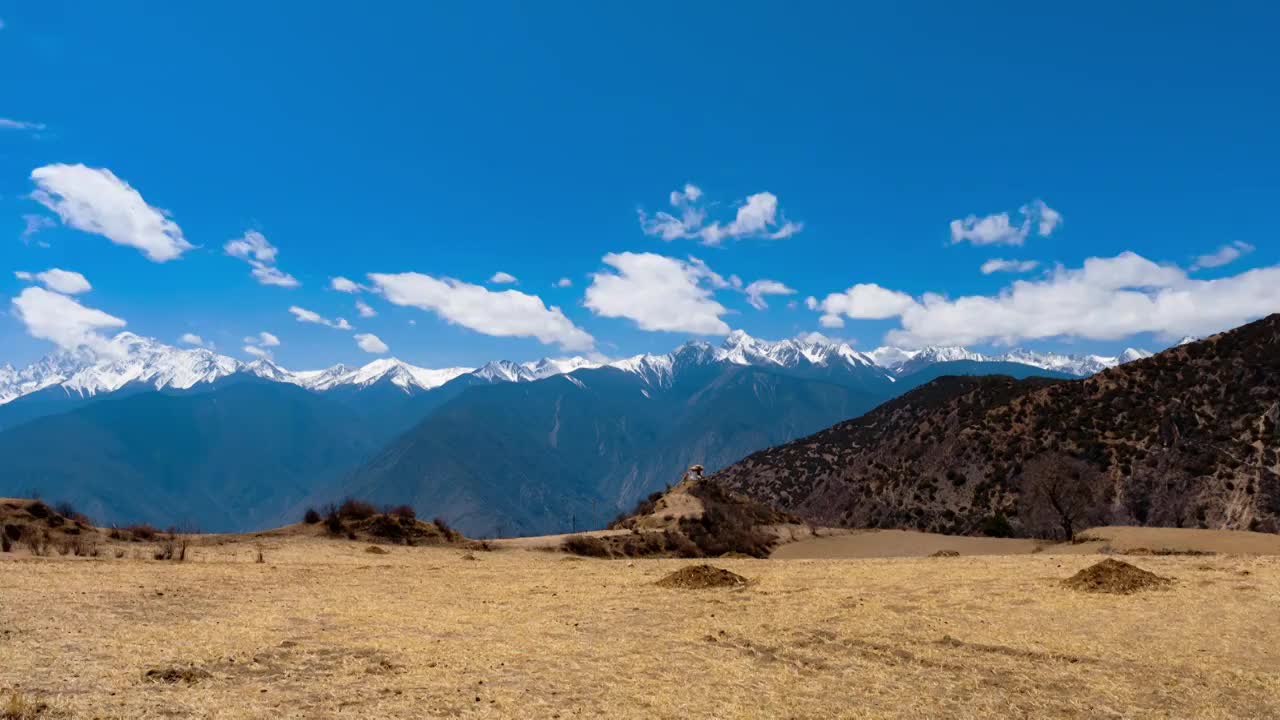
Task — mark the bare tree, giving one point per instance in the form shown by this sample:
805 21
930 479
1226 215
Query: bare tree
1059 493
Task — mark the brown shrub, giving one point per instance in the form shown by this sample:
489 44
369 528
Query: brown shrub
37 541
353 509
587 546
402 511
311 516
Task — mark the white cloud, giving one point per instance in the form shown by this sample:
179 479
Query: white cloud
502 278
998 229
66 282
95 200
995 265
307 316
757 216
257 351
365 311
33 224
191 339
63 321
265 339
758 289
1224 255
10 124
659 293
342 284
506 313
253 248
564 282
371 343
864 301
1105 299
689 194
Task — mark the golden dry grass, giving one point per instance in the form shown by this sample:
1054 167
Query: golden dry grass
324 629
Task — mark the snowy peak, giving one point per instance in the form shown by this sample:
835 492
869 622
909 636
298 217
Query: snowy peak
813 349
408 378
1131 354
902 361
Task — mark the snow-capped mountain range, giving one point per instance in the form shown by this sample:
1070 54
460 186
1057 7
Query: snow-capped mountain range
136 359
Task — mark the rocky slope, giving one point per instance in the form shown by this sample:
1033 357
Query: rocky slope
1188 437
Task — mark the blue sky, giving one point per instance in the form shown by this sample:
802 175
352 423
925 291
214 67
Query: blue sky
457 141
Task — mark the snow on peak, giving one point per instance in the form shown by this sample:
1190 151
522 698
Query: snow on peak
399 373
903 361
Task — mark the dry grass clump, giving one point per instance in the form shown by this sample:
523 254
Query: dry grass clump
701 577
1115 576
176 675
945 553
375 550
19 707
637 544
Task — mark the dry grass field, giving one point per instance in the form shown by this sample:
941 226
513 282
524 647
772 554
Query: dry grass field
322 628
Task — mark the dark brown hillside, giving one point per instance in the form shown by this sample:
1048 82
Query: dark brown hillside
1188 438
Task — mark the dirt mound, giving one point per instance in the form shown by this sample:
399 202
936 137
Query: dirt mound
1114 576
700 577
375 550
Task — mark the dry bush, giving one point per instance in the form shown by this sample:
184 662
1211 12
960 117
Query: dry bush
37 541
402 511
449 533
6 545
311 516
587 546
13 532
135 533
353 509
173 546
333 523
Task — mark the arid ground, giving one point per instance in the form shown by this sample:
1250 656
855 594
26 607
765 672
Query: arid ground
323 628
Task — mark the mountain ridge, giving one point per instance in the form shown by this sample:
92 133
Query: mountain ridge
1186 437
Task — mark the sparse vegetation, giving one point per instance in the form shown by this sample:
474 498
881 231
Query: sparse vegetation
1186 438
311 516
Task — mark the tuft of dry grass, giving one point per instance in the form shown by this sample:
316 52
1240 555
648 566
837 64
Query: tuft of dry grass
19 707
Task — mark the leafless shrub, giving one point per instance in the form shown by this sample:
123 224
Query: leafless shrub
353 509
173 546
37 541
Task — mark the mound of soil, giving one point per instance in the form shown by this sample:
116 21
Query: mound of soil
1114 576
375 550
701 577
